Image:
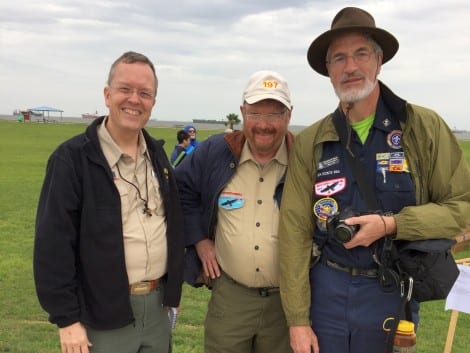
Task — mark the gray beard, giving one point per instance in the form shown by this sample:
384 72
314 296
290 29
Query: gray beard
355 95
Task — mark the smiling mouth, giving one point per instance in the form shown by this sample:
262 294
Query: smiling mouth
131 112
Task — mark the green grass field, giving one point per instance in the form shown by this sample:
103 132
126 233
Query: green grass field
24 327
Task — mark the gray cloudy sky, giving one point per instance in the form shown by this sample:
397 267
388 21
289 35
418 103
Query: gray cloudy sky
58 52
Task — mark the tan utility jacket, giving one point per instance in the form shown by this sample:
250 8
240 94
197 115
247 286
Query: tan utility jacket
439 171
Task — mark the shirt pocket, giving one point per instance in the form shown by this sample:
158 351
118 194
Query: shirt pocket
125 200
395 190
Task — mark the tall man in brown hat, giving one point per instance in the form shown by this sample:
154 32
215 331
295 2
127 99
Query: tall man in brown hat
419 180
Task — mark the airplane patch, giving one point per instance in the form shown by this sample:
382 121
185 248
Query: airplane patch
330 187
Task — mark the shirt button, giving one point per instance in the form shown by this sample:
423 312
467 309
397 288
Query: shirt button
258 224
261 179
256 247
260 202
257 269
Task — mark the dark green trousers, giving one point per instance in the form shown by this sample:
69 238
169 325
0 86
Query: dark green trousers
239 320
150 333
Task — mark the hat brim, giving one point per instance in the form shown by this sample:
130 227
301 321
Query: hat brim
260 97
316 54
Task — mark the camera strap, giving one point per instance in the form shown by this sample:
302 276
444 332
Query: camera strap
387 277
344 130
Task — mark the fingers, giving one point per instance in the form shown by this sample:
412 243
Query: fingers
206 252
74 339
211 268
371 228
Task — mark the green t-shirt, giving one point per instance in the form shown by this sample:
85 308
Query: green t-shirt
362 127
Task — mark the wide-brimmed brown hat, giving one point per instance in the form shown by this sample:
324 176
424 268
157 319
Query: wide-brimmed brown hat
350 19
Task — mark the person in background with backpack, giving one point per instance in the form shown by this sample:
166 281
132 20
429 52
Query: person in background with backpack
180 150
333 300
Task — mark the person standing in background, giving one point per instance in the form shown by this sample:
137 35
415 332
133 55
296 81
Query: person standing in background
191 130
179 151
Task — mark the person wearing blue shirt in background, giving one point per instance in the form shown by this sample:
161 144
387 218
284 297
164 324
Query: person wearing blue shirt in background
191 130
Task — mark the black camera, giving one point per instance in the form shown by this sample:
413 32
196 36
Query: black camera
337 228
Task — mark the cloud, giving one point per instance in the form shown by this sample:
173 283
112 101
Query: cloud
58 53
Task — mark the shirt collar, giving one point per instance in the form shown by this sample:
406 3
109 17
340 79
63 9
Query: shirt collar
280 156
384 119
111 150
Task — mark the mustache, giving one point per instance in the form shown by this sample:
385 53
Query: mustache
266 130
349 76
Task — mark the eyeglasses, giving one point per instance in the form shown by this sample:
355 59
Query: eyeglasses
268 116
360 57
191 130
128 92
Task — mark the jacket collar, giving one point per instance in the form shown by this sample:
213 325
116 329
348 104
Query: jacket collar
93 148
395 104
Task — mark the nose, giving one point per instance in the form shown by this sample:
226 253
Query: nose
263 123
351 64
134 95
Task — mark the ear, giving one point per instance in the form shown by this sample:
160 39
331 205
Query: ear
289 112
242 110
379 65
106 93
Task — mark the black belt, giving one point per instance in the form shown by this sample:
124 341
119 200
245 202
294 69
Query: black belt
354 271
262 291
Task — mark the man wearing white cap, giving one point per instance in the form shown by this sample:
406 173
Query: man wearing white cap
230 189
341 299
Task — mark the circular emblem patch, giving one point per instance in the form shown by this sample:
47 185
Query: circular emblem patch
394 139
325 207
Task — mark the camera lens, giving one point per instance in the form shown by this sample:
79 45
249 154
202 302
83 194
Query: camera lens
344 232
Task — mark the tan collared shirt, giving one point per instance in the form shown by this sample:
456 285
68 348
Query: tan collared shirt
145 243
246 236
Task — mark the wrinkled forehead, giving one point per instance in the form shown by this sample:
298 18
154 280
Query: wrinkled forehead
350 41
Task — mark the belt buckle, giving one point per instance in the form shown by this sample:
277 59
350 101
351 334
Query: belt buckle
141 288
263 292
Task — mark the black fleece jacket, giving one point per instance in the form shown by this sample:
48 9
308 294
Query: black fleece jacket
79 264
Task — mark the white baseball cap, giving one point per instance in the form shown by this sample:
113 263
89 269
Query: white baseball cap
267 85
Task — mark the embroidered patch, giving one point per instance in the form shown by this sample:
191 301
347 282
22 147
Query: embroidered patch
324 208
231 200
391 162
330 187
398 162
394 139
328 163
382 161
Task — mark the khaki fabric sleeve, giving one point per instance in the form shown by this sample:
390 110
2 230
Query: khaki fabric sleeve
442 178
295 233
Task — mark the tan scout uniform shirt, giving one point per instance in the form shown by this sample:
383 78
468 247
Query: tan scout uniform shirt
145 243
246 238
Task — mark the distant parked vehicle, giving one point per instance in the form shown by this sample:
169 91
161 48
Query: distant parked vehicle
90 115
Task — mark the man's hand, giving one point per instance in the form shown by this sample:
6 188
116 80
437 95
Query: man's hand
206 252
73 339
303 339
371 228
